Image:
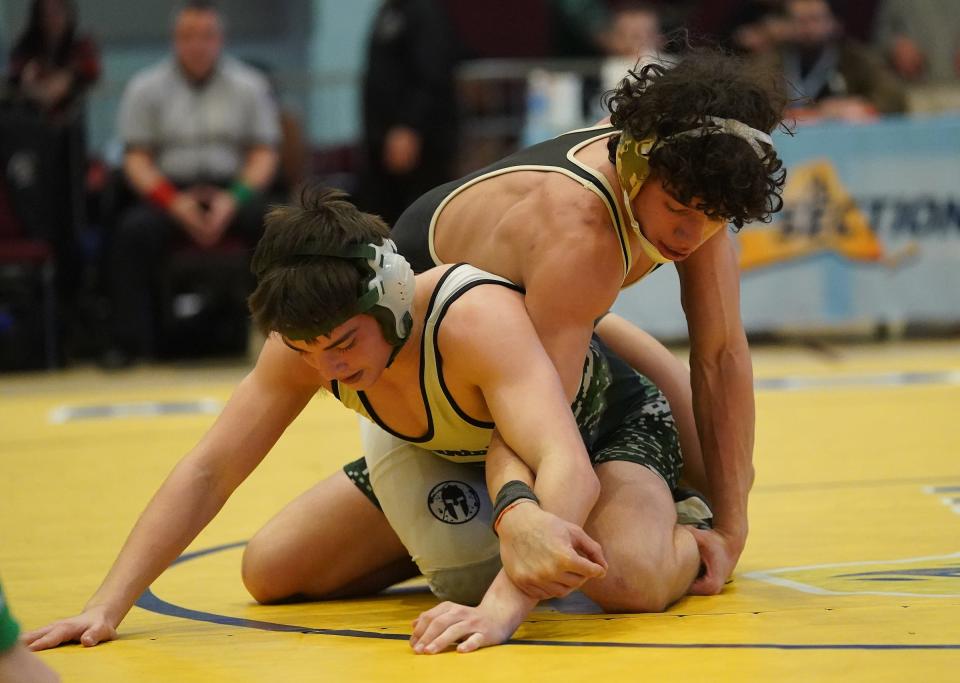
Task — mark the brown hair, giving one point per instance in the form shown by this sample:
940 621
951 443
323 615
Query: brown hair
299 294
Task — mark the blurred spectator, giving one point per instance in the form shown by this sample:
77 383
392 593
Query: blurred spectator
200 133
294 147
43 146
835 77
633 32
50 64
632 39
294 151
759 27
409 106
921 38
577 27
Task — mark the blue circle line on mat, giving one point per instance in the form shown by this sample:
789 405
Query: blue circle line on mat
150 602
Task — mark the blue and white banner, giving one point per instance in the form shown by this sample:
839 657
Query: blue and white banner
869 234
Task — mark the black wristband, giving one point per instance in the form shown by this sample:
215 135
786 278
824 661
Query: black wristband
509 494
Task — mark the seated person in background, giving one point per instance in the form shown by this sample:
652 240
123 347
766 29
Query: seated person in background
921 39
759 27
50 65
442 357
200 132
293 149
632 39
834 76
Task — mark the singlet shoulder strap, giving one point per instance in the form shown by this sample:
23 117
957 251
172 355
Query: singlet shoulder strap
556 155
456 282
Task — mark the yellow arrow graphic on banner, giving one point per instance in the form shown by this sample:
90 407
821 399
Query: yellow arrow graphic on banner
820 216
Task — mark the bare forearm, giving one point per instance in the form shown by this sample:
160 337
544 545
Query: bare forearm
181 508
568 490
565 486
259 168
141 171
507 603
503 465
724 408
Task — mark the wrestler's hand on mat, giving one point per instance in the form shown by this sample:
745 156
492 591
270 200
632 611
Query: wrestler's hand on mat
719 553
471 627
89 628
545 555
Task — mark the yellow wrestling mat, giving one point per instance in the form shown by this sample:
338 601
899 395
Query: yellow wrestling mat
852 570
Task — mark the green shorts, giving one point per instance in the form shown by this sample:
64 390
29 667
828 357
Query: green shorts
636 425
359 474
622 415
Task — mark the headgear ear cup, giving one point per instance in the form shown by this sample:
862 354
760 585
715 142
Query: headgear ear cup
389 283
394 280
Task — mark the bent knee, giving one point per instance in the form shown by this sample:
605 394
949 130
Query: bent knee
256 572
270 575
644 589
634 601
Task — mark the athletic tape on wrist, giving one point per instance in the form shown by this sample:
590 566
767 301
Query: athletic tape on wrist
511 492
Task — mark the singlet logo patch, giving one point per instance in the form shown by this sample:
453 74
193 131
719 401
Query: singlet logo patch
453 502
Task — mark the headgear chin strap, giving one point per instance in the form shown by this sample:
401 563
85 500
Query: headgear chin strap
389 288
633 164
633 168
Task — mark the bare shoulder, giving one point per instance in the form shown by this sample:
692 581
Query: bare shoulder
281 368
484 323
578 262
575 221
568 205
483 308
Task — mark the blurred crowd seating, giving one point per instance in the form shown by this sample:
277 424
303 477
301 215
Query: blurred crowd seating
525 69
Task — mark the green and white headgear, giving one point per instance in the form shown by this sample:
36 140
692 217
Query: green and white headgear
386 292
633 163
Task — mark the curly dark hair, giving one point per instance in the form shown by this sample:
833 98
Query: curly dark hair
303 296
722 172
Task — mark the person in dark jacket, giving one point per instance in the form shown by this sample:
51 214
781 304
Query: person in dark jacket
409 106
833 75
52 65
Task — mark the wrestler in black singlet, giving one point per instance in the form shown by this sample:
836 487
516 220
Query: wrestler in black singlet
412 230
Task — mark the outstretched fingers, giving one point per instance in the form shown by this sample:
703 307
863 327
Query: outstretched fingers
449 624
68 631
429 625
